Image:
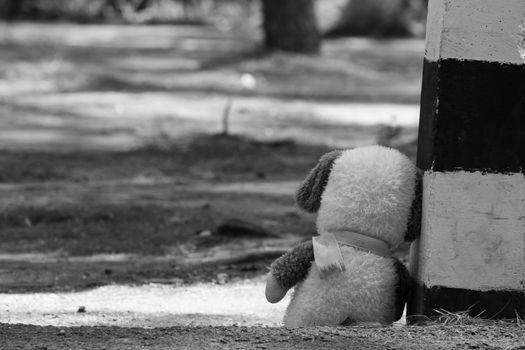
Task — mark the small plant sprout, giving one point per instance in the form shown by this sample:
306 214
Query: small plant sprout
248 83
226 115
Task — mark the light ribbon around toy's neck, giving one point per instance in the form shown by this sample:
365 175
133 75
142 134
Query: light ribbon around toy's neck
327 253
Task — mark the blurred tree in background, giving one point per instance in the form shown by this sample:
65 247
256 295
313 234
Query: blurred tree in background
290 25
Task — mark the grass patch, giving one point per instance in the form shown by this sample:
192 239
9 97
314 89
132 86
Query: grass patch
465 318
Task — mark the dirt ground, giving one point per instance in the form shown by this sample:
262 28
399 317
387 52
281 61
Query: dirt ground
428 337
113 169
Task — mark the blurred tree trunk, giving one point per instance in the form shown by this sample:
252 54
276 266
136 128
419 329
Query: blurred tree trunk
290 25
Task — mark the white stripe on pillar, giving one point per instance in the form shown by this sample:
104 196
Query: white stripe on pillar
473 231
482 30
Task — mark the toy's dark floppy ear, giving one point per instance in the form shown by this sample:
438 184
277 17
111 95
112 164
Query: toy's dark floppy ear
309 194
414 222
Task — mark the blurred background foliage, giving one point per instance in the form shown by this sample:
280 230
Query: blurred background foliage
336 18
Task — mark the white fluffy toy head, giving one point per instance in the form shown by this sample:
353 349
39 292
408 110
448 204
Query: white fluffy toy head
370 190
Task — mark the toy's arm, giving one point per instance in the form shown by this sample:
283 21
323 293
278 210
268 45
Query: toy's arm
288 270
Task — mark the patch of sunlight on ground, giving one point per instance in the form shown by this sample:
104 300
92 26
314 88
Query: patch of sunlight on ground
56 256
132 105
134 36
154 305
122 120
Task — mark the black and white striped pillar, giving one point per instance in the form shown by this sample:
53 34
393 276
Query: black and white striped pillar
471 253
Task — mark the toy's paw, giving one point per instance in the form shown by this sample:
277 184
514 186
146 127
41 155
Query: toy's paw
274 291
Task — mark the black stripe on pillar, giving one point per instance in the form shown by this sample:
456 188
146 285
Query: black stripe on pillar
472 116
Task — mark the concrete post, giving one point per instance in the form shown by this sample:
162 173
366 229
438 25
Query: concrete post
471 253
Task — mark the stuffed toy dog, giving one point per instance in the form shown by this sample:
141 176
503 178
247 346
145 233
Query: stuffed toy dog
367 205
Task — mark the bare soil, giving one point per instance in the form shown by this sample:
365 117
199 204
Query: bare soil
428 337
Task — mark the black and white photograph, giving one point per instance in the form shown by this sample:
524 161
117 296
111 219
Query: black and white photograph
262 174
